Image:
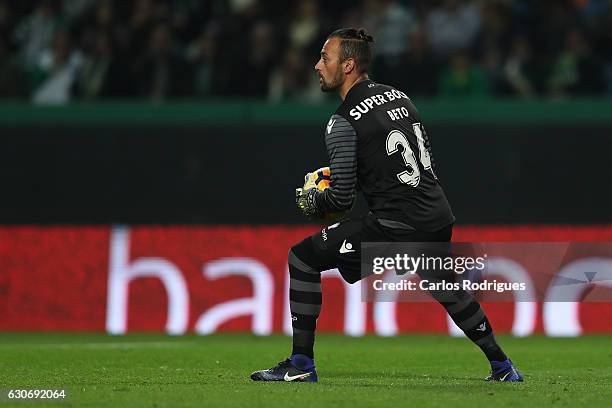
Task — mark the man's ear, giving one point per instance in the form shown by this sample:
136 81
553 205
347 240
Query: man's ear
349 66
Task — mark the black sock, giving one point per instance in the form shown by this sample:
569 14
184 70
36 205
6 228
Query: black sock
486 340
305 304
469 317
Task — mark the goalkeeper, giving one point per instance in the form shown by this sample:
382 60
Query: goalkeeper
375 139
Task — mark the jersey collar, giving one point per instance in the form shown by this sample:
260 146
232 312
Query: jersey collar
359 85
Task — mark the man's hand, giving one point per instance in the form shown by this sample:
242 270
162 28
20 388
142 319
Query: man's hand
309 181
305 200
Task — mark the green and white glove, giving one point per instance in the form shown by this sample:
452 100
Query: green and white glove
305 200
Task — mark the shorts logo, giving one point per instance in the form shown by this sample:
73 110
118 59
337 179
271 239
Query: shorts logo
346 247
325 230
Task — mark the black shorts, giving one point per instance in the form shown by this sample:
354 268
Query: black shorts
339 245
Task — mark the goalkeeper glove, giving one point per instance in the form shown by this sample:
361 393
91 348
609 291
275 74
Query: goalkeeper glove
305 200
309 181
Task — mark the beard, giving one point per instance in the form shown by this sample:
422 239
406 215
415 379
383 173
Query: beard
332 85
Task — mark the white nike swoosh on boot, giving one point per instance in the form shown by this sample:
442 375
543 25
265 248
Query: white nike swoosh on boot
295 377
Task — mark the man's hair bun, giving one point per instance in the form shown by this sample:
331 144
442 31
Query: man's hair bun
363 35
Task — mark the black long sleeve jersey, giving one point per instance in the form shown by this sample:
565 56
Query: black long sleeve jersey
375 141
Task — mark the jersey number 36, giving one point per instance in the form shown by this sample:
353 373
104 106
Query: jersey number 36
412 175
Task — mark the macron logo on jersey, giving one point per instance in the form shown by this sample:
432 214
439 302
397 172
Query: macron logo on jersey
330 125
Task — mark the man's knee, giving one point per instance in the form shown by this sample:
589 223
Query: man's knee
302 256
304 250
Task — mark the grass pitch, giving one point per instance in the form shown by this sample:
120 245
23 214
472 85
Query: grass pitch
192 371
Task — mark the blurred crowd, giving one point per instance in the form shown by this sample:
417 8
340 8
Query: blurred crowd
57 51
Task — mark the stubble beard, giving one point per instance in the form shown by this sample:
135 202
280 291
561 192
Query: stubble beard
335 83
